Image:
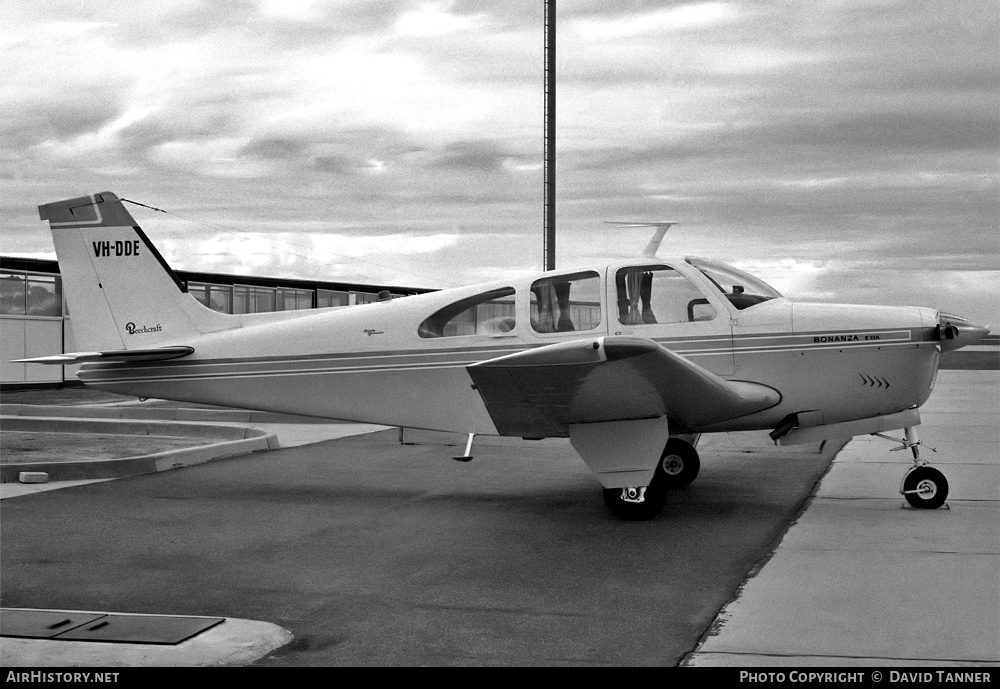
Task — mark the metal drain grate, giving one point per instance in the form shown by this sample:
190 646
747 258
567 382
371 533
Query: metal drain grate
103 627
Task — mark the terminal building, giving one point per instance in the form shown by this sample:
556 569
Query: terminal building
35 321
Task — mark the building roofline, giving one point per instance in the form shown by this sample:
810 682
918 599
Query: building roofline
51 266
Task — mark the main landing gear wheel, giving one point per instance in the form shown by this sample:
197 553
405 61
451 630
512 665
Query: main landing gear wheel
679 465
925 488
623 502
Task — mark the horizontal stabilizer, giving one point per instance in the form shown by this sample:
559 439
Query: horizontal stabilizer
155 354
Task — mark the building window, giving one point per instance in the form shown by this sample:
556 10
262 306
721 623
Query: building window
30 294
220 298
250 299
12 293
199 292
44 295
216 297
290 299
326 298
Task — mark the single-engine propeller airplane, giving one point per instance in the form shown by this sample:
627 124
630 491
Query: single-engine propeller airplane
631 360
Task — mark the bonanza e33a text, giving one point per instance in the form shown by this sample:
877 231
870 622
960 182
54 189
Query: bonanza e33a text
631 360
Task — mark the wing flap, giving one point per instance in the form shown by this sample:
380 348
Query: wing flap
542 391
153 354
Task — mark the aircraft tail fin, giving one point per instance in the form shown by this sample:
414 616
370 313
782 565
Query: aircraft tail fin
121 292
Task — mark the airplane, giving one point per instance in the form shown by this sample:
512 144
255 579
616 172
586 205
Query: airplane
632 360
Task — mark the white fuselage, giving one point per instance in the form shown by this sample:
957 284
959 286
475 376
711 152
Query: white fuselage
393 363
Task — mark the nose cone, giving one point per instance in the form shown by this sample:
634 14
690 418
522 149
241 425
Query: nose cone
955 332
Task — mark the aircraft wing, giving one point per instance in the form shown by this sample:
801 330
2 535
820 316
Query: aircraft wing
541 392
154 354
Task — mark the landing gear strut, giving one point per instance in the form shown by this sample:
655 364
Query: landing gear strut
678 466
924 487
636 504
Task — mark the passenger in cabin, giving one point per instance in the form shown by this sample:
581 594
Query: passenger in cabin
565 323
658 294
646 296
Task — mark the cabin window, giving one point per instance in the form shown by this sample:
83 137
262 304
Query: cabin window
566 303
659 294
489 313
742 289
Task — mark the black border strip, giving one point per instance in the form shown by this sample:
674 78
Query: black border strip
163 263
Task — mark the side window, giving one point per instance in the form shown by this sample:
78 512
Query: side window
566 303
659 294
483 314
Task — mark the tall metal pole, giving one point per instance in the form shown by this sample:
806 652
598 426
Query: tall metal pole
549 215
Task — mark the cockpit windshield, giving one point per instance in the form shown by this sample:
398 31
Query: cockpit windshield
741 289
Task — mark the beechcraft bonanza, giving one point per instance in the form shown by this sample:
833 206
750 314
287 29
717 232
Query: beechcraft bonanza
630 360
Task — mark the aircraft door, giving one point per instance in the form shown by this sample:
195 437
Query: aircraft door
660 303
761 318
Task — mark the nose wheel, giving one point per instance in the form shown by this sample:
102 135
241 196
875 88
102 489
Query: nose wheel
924 487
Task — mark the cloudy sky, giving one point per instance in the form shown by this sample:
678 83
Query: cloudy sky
844 150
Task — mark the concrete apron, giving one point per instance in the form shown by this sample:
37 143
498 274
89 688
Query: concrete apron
219 441
862 578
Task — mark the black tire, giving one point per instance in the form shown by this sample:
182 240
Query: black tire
925 488
679 464
649 508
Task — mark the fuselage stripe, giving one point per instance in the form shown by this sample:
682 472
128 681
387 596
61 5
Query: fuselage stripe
410 360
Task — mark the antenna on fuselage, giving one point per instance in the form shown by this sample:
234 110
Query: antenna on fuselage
654 244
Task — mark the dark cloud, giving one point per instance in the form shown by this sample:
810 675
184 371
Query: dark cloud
474 156
609 11
327 24
29 124
173 22
897 131
274 149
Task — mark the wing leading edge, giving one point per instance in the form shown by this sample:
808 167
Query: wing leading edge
542 392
